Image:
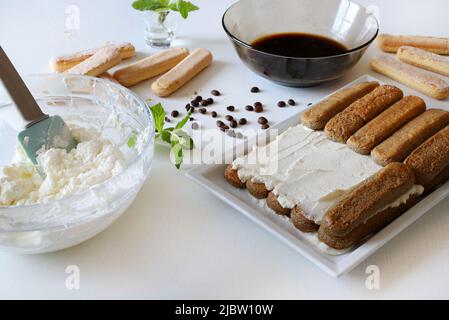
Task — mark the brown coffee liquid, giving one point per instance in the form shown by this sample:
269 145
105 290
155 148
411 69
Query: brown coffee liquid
300 45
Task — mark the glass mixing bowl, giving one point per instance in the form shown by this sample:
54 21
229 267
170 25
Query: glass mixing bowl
345 21
84 101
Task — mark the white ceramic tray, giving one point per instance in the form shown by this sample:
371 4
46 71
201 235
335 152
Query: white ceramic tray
211 177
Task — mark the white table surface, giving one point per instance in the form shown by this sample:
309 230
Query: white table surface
178 241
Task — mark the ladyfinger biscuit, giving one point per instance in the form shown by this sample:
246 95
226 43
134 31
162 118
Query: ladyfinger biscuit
359 113
397 147
424 59
273 203
317 116
438 181
390 43
65 62
413 77
257 190
231 176
182 73
300 221
109 77
385 124
99 63
366 199
430 158
376 223
149 67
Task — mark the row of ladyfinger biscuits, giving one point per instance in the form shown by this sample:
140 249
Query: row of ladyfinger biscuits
177 65
416 56
418 130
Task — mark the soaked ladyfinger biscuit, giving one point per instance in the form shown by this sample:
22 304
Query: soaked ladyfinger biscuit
149 67
232 177
397 147
301 222
413 77
367 198
359 113
99 63
391 43
424 59
273 203
430 158
67 61
182 73
317 116
385 124
257 190
376 223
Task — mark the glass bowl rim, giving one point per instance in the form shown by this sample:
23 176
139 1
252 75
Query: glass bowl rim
248 46
97 186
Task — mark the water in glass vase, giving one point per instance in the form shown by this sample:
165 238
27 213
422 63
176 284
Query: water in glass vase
160 28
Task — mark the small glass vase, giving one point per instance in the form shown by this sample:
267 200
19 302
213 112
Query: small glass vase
160 28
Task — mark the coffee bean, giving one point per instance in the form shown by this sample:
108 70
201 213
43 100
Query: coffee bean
291 102
254 89
249 108
281 104
195 126
243 121
198 98
258 109
202 110
188 106
233 124
194 103
191 118
213 114
175 113
309 104
265 126
224 128
210 100
192 110
229 117
215 93
257 104
262 120
204 103
220 123
167 119
230 108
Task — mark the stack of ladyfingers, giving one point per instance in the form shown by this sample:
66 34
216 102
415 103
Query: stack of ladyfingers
176 66
408 141
418 63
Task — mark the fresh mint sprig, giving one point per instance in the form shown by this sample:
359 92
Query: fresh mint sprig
176 137
181 6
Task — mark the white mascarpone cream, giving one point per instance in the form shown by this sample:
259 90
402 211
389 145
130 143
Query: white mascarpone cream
93 161
302 167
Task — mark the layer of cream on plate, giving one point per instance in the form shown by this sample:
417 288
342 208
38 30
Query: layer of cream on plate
302 167
92 162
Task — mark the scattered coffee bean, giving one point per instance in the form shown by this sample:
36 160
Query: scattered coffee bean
309 104
243 121
229 117
167 119
202 110
214 114
291 102
254 89
262 120
257 104
195 126
224 128
258 109
281 104
230 108
249 108
198 99
175 113
204 103
220 123
215 93
192 110
191 118
188 106
210 100
265 126
233 124
231 133
194 103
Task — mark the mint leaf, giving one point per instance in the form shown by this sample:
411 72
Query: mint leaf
178 153
183 121
185 7
132 140
152 5
159 117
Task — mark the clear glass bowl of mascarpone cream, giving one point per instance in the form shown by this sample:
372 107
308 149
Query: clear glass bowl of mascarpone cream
85 190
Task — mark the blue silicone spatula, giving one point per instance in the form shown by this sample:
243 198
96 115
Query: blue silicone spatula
41 131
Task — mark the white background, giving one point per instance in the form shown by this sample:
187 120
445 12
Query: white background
176 240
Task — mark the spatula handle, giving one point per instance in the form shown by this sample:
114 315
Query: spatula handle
19 92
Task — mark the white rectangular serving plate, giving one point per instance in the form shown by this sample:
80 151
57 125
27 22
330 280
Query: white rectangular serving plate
211 177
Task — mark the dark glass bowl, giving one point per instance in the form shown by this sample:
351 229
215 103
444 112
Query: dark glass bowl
345 21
